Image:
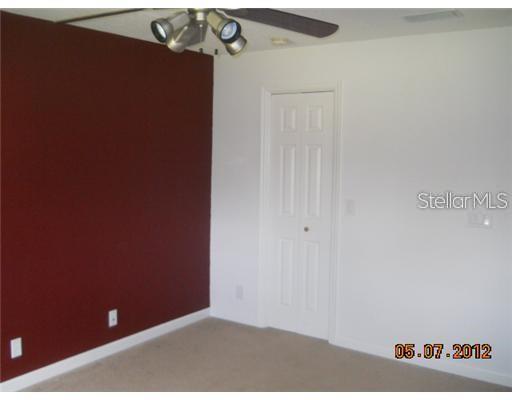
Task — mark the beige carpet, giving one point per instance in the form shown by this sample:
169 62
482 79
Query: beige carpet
215 355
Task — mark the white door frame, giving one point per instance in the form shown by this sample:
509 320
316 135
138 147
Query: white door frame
265 177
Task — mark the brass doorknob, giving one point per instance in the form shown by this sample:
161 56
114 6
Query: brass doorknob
306 229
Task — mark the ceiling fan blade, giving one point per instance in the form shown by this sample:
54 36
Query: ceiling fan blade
281 19
100 15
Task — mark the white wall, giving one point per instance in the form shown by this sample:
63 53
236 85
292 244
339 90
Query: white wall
430 112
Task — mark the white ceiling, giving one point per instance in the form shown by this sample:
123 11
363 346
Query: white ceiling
355 24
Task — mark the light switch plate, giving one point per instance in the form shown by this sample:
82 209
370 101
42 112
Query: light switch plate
479 220
350 207
16 348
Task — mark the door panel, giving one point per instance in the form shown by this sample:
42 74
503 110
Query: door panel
313 181
287 170
286 267
312 261
300 203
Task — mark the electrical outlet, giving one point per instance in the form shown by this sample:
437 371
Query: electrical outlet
112 318
16 348
239 292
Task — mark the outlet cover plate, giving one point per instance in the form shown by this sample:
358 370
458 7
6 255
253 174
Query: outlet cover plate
112 318
16 348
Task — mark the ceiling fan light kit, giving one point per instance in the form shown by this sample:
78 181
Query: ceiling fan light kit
192 33
188 28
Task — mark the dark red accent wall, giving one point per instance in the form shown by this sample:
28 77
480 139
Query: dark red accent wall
105 191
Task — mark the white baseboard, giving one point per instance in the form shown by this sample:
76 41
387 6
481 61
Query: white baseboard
224 317
438 365
98 353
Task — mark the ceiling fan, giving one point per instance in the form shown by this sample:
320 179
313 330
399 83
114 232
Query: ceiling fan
187 28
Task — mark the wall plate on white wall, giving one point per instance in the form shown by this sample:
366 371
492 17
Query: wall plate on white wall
350 207
239 292
479 220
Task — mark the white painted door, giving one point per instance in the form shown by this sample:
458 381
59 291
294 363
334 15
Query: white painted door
300 207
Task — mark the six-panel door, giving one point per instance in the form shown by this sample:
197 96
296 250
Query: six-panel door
300 204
